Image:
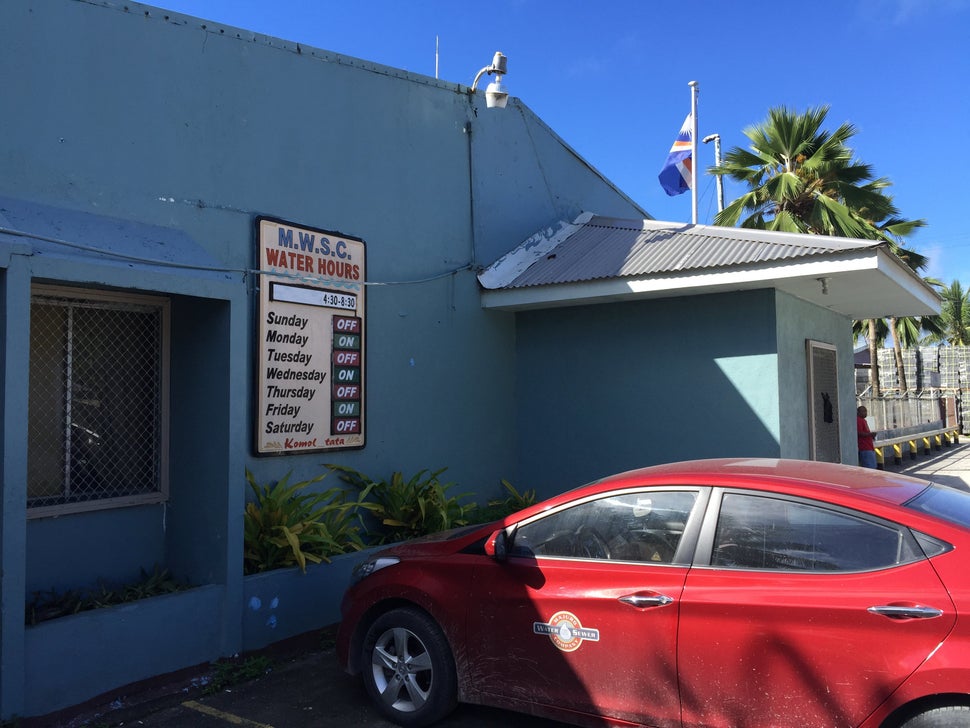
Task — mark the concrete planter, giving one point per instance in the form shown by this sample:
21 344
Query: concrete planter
71 659
286 602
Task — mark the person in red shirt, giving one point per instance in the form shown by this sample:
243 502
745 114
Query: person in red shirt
867 451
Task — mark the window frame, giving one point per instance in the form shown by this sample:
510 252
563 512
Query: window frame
686 547
705 546
160 493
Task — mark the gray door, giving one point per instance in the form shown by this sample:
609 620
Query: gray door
823 407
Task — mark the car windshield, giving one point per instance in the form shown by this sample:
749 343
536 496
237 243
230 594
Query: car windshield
948 503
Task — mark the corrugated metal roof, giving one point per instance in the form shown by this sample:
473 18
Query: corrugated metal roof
602 248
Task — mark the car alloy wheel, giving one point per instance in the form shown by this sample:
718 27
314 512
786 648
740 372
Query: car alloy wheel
409 671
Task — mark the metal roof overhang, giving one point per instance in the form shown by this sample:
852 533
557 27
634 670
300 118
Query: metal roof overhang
859 284
84 247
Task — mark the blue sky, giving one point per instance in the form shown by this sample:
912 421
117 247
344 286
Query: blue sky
610 77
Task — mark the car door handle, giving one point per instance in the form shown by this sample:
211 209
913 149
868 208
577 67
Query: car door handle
641 601
903 612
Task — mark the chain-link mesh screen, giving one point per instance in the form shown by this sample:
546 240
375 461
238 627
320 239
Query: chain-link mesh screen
94 424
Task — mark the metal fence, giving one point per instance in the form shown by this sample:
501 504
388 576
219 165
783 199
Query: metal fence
95 420
937 389
909 412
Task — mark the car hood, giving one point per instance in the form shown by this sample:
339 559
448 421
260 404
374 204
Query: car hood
449 541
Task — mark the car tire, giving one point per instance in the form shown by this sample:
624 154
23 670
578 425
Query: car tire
408 668
951 716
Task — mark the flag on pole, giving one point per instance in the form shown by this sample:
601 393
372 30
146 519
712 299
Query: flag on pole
675 175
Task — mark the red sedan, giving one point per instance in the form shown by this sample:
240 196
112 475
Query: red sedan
732 593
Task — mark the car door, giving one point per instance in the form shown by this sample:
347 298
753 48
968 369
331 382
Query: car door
582 615
806 616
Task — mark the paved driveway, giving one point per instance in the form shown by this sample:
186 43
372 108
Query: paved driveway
308 691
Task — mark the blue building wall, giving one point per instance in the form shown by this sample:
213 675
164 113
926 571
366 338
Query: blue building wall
619 386
798 321
125 125
640 383
229 127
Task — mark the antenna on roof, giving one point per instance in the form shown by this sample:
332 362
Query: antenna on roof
436 56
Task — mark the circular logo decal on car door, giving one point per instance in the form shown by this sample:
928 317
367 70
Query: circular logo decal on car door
566 631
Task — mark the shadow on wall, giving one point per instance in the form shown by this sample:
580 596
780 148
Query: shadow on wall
613 387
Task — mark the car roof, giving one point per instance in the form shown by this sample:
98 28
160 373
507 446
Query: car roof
806 476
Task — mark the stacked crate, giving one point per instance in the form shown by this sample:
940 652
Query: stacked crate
962 354
951 362
911 369
888 375
888 381
955 379
929 367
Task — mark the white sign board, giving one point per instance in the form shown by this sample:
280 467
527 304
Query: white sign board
310 359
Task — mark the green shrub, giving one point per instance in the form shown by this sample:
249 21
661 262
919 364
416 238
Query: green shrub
53 604
287 526
408 508
516 501
498 508
235 670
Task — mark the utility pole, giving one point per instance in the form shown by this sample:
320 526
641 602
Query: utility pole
716 138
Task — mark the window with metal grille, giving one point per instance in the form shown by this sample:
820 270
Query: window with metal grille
97 420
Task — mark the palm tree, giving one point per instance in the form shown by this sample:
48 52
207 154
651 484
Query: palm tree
803 179
874 332
905 331
954 317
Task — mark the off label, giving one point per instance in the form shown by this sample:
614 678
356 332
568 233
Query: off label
346 358
347 324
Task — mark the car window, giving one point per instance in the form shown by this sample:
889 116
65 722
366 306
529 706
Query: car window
759 532
643 527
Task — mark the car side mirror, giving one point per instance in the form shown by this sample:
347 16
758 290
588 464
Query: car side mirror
497 545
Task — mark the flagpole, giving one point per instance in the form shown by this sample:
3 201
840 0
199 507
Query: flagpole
693 151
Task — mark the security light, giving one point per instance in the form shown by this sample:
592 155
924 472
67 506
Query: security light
496 95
